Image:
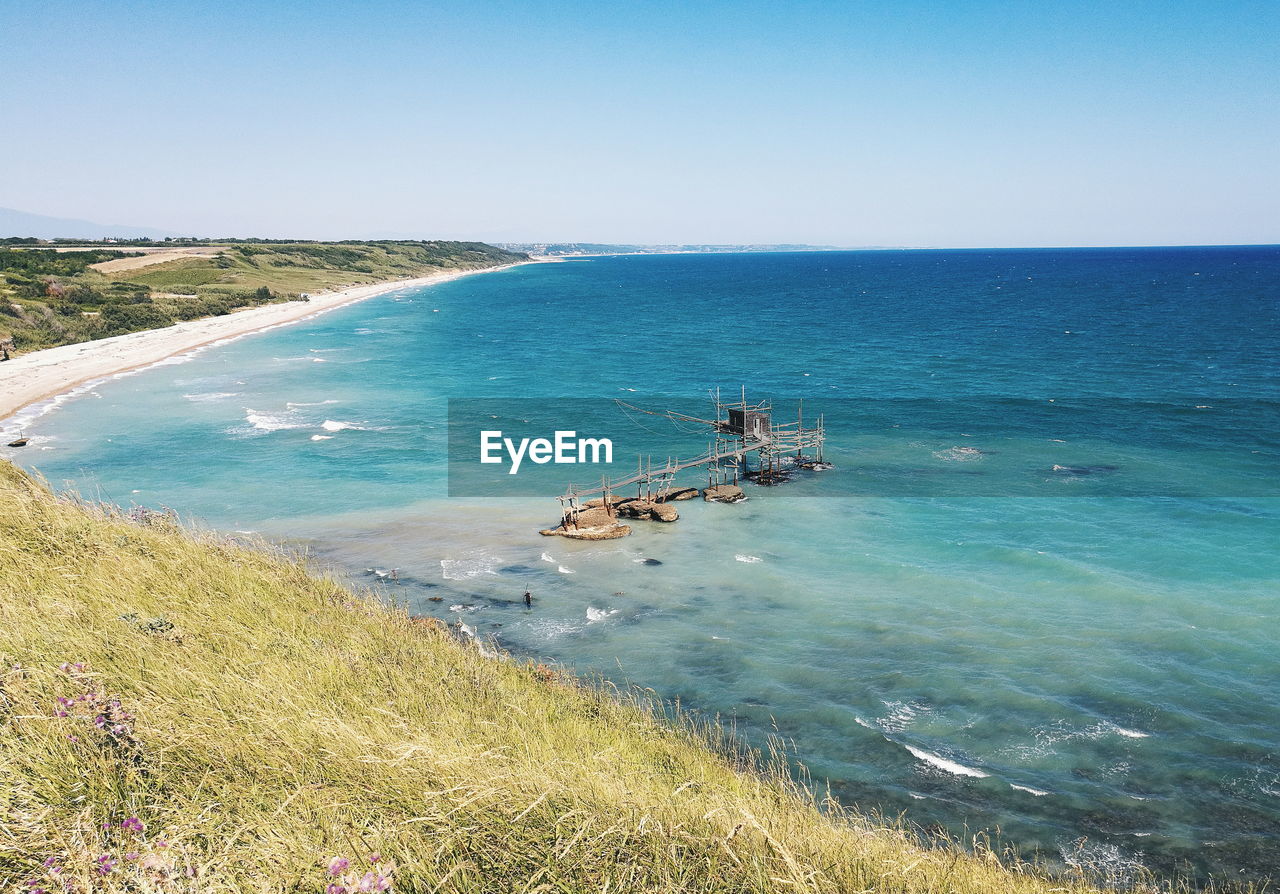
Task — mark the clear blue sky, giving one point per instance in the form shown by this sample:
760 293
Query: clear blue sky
894 123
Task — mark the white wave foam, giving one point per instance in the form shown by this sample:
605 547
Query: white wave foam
1128 733
958 454
1029 790
322 437
551 629
472 566
1101 862
598 614
546 558
750 560
210 396
943 764
332 425
1049 736
901 715
269 421
318 403
564 570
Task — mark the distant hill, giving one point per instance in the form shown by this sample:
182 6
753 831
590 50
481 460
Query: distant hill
563 249
23 223
100 289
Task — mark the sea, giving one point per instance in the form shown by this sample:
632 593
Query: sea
1035 594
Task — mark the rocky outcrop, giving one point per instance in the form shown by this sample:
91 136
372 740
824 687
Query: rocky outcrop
609 532
675 494
592 524
723 493
644 509
614 500
664 513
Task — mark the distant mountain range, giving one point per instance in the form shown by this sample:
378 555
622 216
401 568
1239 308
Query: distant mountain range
23 223
568 249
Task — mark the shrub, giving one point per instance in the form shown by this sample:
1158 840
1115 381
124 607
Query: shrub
82 294
132 317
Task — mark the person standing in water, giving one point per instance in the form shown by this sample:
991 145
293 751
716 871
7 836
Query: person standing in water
528 599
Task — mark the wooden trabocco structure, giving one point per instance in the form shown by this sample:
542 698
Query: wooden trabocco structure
740 430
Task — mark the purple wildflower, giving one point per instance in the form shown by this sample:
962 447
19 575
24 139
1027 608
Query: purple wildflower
106 865
338 865
131 856
132 824
335 889
374 881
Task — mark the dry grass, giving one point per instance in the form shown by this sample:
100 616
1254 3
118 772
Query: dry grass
269 720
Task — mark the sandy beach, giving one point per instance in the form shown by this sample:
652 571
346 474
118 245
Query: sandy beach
40 375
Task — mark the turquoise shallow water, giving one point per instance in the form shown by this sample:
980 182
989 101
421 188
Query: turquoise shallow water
944 625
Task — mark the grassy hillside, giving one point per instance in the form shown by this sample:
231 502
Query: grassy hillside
50 298
179 713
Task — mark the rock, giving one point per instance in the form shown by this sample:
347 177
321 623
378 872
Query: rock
675 494
612 532
636 509
651 562
593 524
723 493
646 510
664 513
614 500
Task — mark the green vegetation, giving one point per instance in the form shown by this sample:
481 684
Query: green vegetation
181 713
59 297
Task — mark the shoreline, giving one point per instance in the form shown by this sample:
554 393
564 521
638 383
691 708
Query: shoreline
47 374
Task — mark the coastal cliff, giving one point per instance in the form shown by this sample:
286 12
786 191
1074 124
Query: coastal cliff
179 712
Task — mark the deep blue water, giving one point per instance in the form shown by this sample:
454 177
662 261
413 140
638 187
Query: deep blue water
1037 592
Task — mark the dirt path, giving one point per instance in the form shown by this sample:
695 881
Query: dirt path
152 256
